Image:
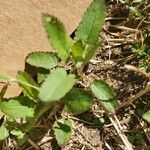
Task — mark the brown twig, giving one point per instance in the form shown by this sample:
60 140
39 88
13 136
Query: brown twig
33 144
145 90
136 96
114 120
130 67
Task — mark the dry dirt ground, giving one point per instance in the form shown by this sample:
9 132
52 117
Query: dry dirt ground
92 129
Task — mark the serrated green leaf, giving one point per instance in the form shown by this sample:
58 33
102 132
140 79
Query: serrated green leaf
78 100
62 130
3 133
146 116
105 95
56 85
30 88
15 109
57 36
45 60
92 23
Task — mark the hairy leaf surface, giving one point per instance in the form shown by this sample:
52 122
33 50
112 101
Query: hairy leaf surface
104 94
92 23
45 60
56 85
57 36
15 109
78 100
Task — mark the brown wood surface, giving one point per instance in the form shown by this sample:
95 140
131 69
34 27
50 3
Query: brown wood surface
21 31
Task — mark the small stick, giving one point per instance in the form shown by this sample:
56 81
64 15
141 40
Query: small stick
142 92
142 125
136 96
118 128
125 28
107 145
33 144
3 90
120 40
130 67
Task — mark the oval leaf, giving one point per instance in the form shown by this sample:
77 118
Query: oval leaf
146 116
56 85
92 23
104 94
57 36
30 88
3 133
45 60
78 100
15 109
62 130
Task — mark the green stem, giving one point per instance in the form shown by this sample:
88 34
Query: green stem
30 85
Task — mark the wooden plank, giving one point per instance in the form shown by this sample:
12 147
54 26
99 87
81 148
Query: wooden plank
21 31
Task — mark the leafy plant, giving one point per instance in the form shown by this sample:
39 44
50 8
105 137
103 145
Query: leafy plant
142 52
56 85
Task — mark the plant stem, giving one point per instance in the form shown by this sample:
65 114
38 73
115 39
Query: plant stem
30 85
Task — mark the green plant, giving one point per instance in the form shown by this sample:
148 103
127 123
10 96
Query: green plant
142 52
57 85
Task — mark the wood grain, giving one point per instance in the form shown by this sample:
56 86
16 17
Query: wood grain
21 31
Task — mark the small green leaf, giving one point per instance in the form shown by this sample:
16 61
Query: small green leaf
4 78
78 100
16 132
42 74
92 23
45 60
77 51
15 109
3 133
89 52
136 12
82 53
57 36
21 137
104 94
30 88
56 85
62 130
146 116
